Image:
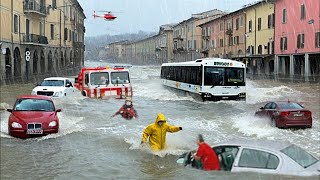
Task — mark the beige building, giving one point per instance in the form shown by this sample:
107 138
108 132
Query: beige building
187 35
260 28
40 38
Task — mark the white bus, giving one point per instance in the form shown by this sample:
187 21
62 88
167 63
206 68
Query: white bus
213 79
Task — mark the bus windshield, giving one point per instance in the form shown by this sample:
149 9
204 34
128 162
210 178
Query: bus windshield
223 76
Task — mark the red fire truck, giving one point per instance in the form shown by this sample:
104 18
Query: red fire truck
104 82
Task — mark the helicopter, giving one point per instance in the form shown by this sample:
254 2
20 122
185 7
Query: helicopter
108 16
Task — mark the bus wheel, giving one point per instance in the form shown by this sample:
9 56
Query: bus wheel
84 93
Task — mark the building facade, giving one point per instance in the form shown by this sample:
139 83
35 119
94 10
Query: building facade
40 38
187 36
297 39
259 37
224 36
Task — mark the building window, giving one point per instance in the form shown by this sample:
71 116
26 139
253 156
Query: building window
65 34
212 29
228 24
194 44
230 40
271 21
52 31
303 12
221 26
242 21
250 26
283 43
317 39
284 16
16 24
54 4
259 24
237 24
41 28
300 41
221 42
260 49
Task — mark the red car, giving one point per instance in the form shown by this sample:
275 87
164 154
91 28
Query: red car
286 114
33 116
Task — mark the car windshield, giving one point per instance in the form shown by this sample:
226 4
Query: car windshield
300 156
52 83
34 105
290 106
120 77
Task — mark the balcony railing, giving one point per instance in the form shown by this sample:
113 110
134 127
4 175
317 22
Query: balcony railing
34 38
31 6
78 44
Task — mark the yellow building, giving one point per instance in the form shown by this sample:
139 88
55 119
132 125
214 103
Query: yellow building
40 38
260 37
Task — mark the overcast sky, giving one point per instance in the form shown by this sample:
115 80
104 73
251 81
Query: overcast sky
148 15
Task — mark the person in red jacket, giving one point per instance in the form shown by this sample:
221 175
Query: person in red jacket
206 155
127 111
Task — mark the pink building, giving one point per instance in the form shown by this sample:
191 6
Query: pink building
297 38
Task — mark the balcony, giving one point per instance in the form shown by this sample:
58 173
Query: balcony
34 39
78 44
32 7
205 36
178 38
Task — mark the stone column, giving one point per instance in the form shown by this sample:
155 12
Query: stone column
306 65
276 65
291 65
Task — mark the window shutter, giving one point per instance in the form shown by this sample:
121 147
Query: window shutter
285 43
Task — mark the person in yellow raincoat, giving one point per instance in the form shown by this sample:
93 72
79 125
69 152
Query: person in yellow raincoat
157 133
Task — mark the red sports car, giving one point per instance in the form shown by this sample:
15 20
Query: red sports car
286 114
33 116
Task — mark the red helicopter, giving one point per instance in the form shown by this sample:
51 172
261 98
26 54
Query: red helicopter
107 16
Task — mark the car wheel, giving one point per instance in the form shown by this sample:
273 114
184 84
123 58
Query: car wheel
273 122
84 93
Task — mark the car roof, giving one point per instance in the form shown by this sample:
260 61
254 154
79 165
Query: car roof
283 102
34 97
254 143
56 78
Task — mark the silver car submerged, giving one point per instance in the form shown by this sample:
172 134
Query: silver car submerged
262 156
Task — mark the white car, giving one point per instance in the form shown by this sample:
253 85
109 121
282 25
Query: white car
261 156
54 86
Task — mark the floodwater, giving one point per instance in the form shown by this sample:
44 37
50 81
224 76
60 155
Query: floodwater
91 145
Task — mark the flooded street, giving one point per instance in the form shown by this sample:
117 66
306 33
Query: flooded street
92 145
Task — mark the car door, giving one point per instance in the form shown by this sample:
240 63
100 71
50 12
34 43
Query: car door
265 110
226 155
256 160
272 109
